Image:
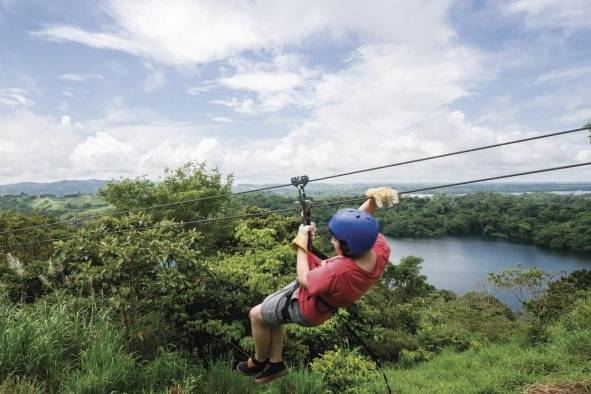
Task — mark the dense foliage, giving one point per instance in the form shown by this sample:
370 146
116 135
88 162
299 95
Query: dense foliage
550 220
543 219
113 309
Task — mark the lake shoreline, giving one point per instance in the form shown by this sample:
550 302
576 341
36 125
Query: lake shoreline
460 264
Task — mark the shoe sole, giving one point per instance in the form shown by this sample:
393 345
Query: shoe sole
246 374
272 377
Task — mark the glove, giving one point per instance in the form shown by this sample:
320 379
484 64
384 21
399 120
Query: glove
383 196
301 239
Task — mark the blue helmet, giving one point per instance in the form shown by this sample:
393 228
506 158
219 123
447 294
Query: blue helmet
359 229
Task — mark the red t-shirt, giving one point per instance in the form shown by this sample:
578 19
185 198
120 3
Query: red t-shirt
339 283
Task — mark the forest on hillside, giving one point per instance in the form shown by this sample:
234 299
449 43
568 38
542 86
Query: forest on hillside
144 303
544 219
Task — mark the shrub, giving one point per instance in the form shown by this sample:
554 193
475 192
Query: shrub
409 358
345 371
536 333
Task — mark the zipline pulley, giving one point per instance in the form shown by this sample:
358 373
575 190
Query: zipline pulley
304 204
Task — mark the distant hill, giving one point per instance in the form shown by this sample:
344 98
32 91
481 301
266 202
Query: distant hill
91 186
60 188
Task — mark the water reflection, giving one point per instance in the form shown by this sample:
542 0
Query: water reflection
461 264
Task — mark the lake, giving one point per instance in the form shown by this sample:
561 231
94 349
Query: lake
460 264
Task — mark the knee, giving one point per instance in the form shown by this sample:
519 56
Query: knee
255 314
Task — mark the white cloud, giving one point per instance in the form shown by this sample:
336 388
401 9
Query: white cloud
222 119
244 106
7 146
79 77
203 88
391 99
105 152
65 120
262 81
97 40
584 155
393 103
169 154
42 148
572 73
155 79
15 97
552 13
284 81
579 116
192 32
566 100
34 147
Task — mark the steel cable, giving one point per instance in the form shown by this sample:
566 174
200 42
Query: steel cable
122 212
459 152
330 203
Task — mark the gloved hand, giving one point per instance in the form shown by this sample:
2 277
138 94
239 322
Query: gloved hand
383 196
304 234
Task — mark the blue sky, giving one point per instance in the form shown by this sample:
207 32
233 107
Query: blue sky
267 90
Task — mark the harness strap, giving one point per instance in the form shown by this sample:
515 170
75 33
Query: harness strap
329 308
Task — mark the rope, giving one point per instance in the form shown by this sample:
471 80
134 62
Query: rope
453 153
371 353
178 224
498 177
289 184
171 204
473 181
231 217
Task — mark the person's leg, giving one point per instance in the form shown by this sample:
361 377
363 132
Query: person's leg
261 334
276 367
276 351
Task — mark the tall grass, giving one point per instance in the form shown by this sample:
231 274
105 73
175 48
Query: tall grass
508 367
63 344
71 345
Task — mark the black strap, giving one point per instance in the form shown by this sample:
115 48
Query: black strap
372 354
329 308
317 253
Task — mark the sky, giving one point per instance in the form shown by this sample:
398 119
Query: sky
267 90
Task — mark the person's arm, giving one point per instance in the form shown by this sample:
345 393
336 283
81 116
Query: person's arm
300 243
302 267
369 206
378 198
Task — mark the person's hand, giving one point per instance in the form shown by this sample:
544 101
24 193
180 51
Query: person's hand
383 196
304 234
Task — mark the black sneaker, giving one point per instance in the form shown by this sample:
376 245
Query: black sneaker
251 366
271 372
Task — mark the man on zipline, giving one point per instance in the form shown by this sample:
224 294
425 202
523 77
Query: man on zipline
321 287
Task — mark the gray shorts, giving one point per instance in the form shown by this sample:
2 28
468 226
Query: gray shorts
282 306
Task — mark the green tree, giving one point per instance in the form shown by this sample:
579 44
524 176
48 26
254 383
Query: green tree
190 181
526 284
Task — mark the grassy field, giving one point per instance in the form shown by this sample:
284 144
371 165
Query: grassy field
65 207
64 344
